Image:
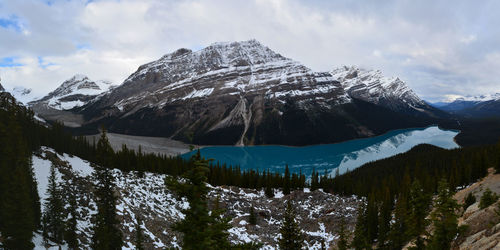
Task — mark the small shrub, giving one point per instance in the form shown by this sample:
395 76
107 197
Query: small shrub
487 199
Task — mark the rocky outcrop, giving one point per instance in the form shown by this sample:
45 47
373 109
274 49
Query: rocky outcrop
482 226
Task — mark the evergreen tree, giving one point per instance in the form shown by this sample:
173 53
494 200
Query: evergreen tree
385 217
252 218
107 234
342 243
314 180
291 235
269 186
139 237
444 218
398 232
360 240
286 181
487 199
70 235
469 200
53 221
200 230
419 208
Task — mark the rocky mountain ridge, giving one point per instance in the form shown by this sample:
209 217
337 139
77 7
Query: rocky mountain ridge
74 92
243 93
474 106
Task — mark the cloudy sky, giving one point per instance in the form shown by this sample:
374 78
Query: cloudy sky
440 48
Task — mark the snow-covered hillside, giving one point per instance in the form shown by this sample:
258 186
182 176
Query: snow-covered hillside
317 212
73 92
372 86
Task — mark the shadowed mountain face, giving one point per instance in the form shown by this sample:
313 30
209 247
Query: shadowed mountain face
244 93
475 106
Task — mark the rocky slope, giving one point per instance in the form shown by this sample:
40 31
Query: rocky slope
244 93
372 86
482 225
318 213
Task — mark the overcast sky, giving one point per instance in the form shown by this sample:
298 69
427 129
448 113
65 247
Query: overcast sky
440 48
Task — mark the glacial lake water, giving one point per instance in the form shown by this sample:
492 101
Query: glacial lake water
345 155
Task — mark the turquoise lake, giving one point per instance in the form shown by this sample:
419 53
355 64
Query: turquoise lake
329 157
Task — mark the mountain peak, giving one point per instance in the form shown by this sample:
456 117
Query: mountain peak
1 87
74 92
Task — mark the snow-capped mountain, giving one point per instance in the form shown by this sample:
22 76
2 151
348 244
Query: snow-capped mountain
73 92
372 86
474 106
23 95
244 93
1 87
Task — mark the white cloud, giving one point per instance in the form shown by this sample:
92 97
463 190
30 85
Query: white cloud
438 50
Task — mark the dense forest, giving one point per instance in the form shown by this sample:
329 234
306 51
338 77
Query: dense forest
398 190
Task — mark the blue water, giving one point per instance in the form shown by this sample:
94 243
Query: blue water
329 157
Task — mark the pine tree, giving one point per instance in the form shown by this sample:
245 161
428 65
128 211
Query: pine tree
286 181
419 208
385 217
291 235
360 240
487 199
469 200
53 220
70 235
342 243
252 218
107 234
139 237
444 218
269 186
200 230
398 232
314 180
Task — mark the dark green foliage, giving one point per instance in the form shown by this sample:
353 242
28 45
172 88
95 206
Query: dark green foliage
107 234
487 199
397 234
19 200
419 204
343 241
53 221
444 218
469 200
286 181
291 235
314 180
385 216
361 235
70 235
252 219
200 230
139 237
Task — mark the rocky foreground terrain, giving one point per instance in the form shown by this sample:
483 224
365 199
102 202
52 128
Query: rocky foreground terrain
318 213
482 225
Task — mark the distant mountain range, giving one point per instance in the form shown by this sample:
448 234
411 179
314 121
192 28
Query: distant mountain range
240 93
473 106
